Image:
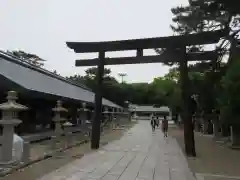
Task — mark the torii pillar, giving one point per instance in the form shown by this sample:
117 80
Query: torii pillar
96 124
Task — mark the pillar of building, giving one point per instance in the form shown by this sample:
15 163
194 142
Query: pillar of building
9 120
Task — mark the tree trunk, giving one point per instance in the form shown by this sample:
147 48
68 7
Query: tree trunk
235 135
210 127
225 130
205 126
187 116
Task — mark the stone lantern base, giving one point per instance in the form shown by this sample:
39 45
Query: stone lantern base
8 132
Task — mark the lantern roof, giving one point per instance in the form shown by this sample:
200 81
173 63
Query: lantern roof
11 103
59 107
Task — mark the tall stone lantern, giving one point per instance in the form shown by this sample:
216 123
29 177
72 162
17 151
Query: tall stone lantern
105 117
128 108
58 119
9 120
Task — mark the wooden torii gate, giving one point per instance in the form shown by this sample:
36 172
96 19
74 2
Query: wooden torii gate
174 51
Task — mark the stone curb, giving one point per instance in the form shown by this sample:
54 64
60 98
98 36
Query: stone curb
44 157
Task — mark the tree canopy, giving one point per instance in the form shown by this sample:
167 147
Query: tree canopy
31 58
160 91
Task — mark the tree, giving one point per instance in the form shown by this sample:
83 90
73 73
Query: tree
111 88
208 15
229 101
205 15
77 78
173 74
92 72
162 91
31 58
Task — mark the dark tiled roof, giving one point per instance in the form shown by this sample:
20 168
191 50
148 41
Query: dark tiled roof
38 79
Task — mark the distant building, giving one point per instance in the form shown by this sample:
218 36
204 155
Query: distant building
145 111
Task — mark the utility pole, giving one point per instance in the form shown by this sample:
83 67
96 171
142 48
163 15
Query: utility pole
122 75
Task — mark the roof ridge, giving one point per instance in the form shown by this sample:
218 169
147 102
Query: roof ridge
25 63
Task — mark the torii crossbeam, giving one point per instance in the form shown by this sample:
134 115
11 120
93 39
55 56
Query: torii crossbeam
164 57
175 51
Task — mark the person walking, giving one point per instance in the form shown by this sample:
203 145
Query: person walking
165 126
153 123
157 121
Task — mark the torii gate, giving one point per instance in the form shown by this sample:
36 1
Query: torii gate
175 51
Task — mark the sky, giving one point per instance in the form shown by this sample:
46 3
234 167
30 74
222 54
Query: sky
42 27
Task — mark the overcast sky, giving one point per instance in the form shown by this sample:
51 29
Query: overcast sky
42 27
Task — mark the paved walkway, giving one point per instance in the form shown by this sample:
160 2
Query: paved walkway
138 155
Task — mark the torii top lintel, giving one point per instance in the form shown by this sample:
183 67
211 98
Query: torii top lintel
149 43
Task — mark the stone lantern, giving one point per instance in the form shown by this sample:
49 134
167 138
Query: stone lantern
118 116
128 108
9 120
114 118
68 133
58 119
122 115
106 114
83 113
67 127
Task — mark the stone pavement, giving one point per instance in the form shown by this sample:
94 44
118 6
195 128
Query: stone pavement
138 155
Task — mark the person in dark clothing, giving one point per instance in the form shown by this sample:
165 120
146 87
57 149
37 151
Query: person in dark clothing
165 126
157 121
153 123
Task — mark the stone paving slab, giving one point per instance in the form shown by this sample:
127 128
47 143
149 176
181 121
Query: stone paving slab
139 155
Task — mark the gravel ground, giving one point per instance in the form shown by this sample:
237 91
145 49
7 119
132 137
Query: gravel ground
214 161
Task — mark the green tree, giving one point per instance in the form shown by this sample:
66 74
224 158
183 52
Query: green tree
229 101
173 74
92 72
202 15
31 58
111 87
